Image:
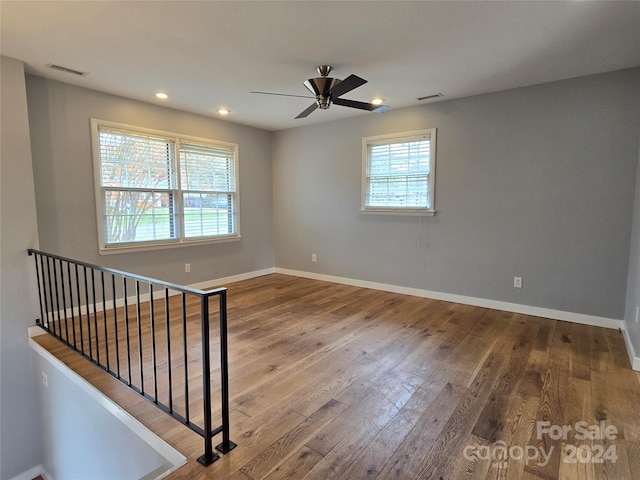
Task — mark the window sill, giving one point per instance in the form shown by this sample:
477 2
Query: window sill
145 247
398 211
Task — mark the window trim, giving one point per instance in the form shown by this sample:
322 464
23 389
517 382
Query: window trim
408 211
181 240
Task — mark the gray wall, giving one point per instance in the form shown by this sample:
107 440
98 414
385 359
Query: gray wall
632 323
61 147
536 182
19 436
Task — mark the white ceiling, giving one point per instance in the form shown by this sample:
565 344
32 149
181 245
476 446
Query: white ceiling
210 54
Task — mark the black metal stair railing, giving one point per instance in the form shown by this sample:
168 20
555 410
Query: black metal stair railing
136 328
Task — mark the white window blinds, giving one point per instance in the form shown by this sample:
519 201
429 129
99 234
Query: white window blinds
158 188
137 173
210 169
208 183
132 160
398 172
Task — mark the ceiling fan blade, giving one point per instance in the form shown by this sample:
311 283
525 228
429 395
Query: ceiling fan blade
283 94
308 110
346 85
361 105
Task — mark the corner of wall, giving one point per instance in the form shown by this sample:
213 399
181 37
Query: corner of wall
634 359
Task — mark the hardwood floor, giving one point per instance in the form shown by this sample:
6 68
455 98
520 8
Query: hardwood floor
331 381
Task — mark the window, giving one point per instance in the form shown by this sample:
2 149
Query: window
160 189
399 173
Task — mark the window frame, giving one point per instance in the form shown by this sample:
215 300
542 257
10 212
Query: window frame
393 138
176 190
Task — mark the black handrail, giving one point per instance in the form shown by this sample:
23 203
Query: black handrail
61 304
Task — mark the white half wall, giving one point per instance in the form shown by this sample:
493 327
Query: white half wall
85 435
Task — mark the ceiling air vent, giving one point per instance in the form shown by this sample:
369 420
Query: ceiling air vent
429 97
60 68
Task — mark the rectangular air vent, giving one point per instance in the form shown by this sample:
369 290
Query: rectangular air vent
60 68
428 97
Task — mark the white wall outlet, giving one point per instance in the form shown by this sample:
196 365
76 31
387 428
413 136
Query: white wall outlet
314 257
45 379
187 268
517 282
637 312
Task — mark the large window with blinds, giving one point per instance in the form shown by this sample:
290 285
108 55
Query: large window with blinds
156 189
398 173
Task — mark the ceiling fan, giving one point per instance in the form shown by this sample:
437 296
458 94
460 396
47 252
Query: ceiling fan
328 91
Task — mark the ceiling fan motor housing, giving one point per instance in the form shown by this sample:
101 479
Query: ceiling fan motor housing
321 88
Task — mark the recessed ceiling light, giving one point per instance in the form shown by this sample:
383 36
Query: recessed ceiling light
162 95
377 101
224 111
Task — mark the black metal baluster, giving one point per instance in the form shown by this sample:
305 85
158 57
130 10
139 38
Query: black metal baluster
227 445
79 309
45 320
139 335
52 314
184 353
209 455
153 344
71 307
104 321
115 323
95 314
64 303
55 285
88 311
166 313
126 326
35 258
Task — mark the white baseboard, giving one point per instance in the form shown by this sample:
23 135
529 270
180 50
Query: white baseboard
633 356
477 302
233 278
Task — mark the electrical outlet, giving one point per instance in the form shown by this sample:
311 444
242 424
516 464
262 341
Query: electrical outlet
314 257
187 268
517 282
637 312
45 379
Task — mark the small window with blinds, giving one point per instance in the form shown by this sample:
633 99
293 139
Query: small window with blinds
398 173
157 189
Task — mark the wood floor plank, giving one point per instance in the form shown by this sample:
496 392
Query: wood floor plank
301 462
279 451
517 346
332 381
439 461
384 444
